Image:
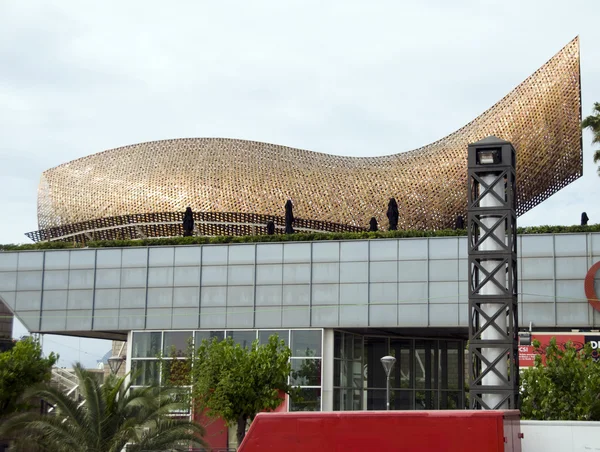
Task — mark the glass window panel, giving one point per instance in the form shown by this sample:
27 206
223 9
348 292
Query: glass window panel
264 335
176 372
358 347
145 372
208 335
376 399
146 345
306 372
306 343
402 399
357 374
450 400
357 399
244 338
337 372
401 373
426 400
348 346
347 400
309 400
375 348
424 365
343 380
176 342
338 339
451 376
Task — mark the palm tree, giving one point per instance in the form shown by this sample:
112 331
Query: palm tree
111 417
592 122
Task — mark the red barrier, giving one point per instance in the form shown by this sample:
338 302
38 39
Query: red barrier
383 431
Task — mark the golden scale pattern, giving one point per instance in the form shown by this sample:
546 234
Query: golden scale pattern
235 186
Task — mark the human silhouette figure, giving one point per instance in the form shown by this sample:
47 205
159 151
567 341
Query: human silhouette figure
460 222
393 214
289 217
373 226
188 222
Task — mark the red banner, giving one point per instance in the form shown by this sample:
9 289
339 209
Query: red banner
527 352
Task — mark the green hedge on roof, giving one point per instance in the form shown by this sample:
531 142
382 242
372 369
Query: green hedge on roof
299 237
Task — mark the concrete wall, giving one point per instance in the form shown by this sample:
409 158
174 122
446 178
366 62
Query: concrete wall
560 436
417 282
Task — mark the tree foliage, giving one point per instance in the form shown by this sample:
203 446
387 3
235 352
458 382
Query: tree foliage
112 415
592 122
298 237
20 368
566 387
236 383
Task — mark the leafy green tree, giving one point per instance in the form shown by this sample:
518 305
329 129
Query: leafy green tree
236 383
592 122
567 387
20 368
110 417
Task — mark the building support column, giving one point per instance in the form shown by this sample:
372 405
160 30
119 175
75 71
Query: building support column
327 371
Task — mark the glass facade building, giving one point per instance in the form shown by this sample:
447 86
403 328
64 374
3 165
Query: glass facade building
428 373
151 349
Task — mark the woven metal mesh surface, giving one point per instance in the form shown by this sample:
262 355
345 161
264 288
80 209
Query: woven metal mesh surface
169 224
541 118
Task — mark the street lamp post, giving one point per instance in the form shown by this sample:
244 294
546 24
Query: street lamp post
388 364
114 362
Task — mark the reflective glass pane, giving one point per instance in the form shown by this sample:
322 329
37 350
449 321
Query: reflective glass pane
357 374
347 400
338 339
244 338
181 396
176 372
264 335
345 396
357 400
426 400
402 399
306 343
401 374
451 400
451 368
348 346
376 399
306 372
344 378
309 400
176 343
358 347
337 373
424 364
146 345
208 335
375 348
145 372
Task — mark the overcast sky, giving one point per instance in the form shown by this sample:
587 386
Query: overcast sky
360 78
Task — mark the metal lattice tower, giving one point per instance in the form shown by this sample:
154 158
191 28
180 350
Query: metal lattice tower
492 242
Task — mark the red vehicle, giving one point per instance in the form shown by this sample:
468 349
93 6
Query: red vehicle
383 431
